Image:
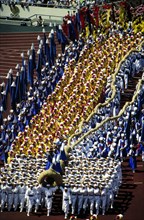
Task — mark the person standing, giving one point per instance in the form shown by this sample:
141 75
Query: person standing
3 195
10 196
97 198
85 198
30 198
48 197
81 198
91 198
110 195
66 200
103 198
132 159
38 195
0 191
16 196
22 191
74 190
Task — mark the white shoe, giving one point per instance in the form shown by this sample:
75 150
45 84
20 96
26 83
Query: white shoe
47 214
35 211
27 214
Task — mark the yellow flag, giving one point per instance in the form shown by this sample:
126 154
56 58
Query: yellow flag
108 16
122 16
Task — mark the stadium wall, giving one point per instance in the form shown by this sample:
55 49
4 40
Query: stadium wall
19 12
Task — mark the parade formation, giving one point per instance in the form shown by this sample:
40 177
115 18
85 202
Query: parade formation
70 122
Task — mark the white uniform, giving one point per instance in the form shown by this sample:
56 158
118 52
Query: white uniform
80 199
30 197
0 193
16 197
3 196
85 199
42 202
97 199
48 198
110 196
115 183
37 191
91 199
126 78
10 197
66 201
119 172
22 191
74 197
103 200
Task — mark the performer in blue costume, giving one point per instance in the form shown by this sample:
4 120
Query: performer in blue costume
132 159
49 162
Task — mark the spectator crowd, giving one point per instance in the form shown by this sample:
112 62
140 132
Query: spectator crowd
55 3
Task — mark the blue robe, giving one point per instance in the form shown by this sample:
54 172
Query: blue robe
132 161
49 162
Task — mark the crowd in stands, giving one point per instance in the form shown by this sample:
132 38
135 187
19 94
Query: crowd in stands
67 89
54 3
